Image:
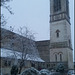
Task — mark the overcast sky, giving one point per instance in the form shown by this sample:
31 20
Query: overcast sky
35 15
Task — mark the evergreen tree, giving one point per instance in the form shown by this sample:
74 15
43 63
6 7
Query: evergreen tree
60 68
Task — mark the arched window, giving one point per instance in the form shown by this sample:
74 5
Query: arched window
57 5
56 57
60 57
57 33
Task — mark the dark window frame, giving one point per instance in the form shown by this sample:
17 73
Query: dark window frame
57 5
9 63
60 57
57 33
5 63
69 42
67 7
56 57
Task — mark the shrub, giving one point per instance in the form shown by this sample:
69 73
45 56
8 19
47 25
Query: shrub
44 72
14 70
60 68
30 71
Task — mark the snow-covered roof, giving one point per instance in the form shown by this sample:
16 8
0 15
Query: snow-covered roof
10 53
34 58
16 54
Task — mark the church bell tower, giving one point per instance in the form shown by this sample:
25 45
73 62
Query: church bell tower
60 33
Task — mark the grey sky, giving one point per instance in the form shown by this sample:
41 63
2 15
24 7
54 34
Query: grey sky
35 15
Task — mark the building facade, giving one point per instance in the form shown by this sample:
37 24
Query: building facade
56 50
43 49
60 33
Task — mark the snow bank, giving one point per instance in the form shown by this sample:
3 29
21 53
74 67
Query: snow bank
30 71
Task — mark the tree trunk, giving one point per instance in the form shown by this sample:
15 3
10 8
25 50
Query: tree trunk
21 66
20 69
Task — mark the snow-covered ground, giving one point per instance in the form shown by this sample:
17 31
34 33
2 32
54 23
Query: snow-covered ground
16 54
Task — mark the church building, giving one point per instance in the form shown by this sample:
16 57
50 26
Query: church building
60 33
51 52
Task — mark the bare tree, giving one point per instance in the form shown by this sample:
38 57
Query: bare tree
4 5
27 45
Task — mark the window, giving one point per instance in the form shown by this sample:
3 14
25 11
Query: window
32 64
55 57
9 63
69 43
60 57
13 38
67 7
47 65
5 63
12 44
57 33
57 5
